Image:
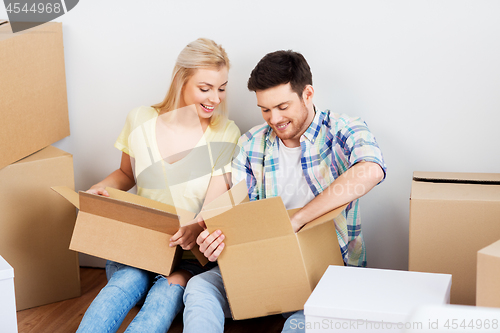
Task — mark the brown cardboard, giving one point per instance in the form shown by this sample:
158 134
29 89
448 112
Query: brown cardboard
33 98
127 228
36 226
452 216
266 267
488 276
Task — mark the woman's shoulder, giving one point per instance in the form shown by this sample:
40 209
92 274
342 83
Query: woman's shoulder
141 114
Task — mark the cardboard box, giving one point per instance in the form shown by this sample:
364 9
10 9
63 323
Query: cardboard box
453 318
452 216
33 98
7 301
355 299
266 267
488 276
127 228
36 226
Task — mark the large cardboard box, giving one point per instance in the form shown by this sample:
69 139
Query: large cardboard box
8 318
33 99
452 216
488 276
266 267
36 226
377 300
128 228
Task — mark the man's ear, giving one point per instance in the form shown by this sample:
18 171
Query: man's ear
307 94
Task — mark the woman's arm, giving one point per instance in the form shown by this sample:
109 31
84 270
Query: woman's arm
122 178
186 236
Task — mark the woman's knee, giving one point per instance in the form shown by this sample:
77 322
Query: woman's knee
180 277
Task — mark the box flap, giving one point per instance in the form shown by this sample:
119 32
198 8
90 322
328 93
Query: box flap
3 21
491 250
68 194
457 177
128 212
236 195
6 270
249 221
322 219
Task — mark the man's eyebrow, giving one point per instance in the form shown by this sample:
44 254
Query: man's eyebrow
263 107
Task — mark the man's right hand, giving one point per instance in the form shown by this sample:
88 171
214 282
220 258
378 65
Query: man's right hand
211 244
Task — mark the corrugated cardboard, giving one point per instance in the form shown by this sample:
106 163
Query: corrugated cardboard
266 267
36 226
452 216
488 276
127 228
376 301
33 98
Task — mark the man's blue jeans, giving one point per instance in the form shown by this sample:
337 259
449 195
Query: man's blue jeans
206 306
126 287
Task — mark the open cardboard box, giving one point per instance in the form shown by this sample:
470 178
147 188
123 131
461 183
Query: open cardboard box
266 267
128 229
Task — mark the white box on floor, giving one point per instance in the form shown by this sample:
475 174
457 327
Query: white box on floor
8 319
453 318
354 299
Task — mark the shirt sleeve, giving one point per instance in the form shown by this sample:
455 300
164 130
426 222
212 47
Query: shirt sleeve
242 170
225 150
359 144
122 143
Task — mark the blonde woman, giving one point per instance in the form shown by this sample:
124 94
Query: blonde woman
175 152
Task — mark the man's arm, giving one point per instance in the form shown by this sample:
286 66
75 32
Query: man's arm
351 185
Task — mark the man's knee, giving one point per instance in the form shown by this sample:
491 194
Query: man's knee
202 286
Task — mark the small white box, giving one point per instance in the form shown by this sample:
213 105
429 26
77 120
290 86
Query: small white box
354 299
454 318
8 319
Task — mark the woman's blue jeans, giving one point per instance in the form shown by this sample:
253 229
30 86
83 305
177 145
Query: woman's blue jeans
126 287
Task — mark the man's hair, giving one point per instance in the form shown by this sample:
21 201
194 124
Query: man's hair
281 67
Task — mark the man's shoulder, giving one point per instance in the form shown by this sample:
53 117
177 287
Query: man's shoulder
253 136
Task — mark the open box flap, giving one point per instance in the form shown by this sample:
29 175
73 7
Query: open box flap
252 221
322 219
68 194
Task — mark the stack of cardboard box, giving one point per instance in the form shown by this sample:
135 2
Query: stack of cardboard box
35 223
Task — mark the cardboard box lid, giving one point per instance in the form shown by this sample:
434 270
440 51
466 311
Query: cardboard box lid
455 186
374 294
6 270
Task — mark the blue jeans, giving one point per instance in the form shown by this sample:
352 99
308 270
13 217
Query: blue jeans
206 305
126 287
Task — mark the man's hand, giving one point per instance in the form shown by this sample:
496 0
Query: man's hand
186 236
211 245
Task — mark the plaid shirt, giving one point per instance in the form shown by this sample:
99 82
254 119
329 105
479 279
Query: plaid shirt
330 145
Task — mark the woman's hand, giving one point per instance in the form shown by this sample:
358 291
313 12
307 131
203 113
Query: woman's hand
186 236
99 190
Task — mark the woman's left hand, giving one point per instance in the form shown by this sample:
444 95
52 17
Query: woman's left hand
186 236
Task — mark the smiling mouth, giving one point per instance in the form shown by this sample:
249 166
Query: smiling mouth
207 108
282 127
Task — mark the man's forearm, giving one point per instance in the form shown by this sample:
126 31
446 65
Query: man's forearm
351 185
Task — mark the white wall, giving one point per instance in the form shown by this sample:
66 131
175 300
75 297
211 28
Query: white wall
424 75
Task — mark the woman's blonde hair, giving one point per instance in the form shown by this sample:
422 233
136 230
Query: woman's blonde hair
202 53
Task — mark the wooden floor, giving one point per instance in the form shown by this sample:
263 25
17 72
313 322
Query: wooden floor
65 316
